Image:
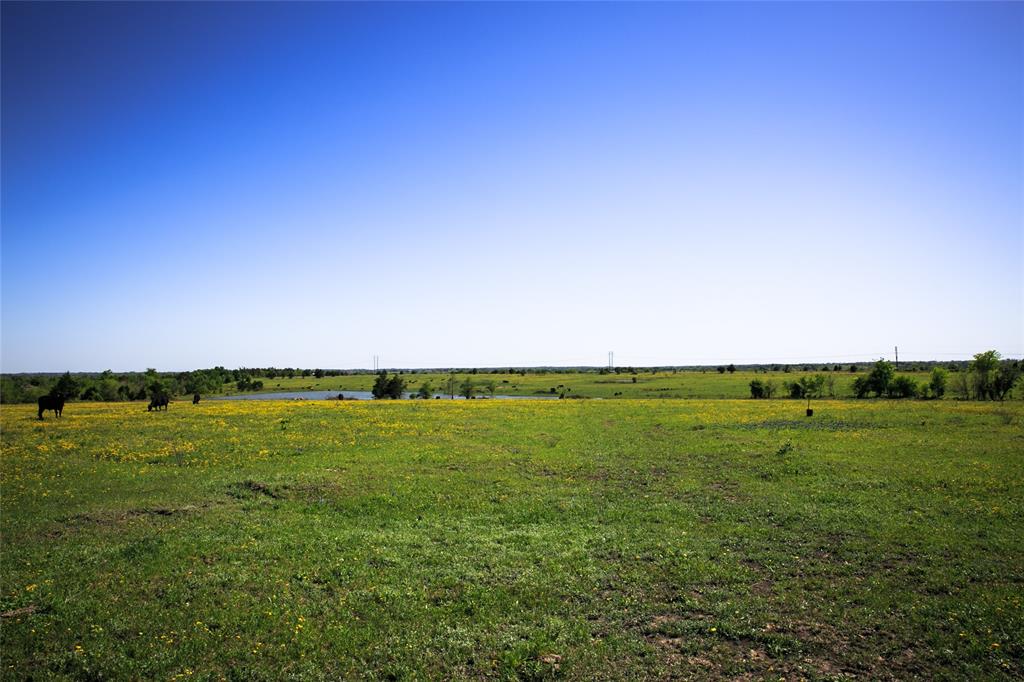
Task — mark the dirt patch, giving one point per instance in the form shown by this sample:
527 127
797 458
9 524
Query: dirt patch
728 491
250 487
554 660
23 611
112 518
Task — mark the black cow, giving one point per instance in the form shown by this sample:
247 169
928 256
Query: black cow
195 399
53 402
158 402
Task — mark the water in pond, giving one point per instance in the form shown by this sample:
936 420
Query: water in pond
357 395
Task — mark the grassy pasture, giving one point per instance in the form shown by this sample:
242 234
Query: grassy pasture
486 539
684 384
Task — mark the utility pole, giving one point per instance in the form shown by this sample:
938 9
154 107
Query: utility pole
897 349
611 359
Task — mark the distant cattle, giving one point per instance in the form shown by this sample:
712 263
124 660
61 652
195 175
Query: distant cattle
195 399
158 402
53 402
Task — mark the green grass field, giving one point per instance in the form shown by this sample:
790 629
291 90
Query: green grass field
532 539
683 384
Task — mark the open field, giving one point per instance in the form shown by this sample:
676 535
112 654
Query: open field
576 539
683 384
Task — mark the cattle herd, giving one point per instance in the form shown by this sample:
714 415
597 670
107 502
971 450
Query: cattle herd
56 402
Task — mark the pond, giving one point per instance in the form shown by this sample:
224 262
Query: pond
360 395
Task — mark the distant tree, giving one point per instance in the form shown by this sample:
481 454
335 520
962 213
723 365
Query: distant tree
795 389
983 370
937 385
757 389
1006 376
731 368
853 369
107 386
380 385
425 390
880 377
156 387
962 385
902 387
388 387
813 386
861 388
490 386
634 379
67 386
91 393
721 369
769 387
467 388
318 373
395 387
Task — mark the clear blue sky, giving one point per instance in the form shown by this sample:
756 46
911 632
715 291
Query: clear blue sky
192 184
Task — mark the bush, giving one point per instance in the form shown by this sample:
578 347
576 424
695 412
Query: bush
757 389
762 389
903 387
1006 377
795 389
937 385
385 387
880 378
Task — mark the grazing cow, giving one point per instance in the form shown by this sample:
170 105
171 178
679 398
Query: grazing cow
195 399
157 402
53 402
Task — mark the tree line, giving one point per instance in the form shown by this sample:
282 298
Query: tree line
986 377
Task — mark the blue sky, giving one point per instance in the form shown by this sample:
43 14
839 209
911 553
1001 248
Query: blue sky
194 184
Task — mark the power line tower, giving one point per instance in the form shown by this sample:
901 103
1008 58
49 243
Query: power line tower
611 359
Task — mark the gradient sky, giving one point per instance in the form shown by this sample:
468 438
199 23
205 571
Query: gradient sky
191 184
